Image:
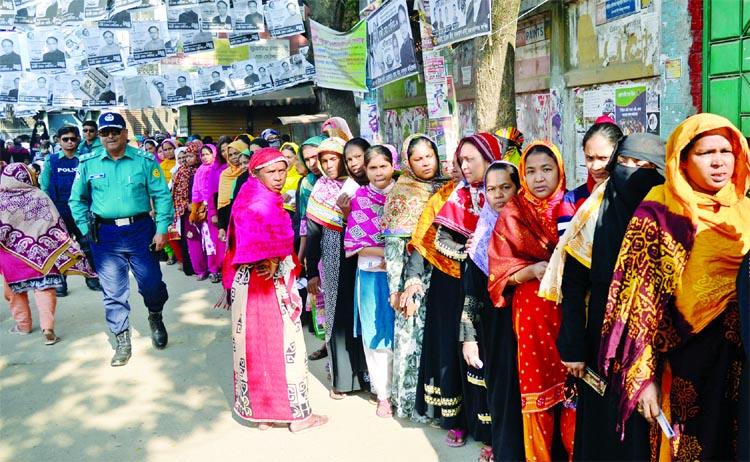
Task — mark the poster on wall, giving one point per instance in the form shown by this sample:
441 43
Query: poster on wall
390 44
369 122
284 18
340 58
455 21
630 109
436 87
402 122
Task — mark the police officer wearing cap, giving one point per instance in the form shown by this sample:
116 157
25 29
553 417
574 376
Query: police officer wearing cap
56 181
117 183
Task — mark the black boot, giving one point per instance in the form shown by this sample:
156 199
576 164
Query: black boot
123 350
93 284
62 291
159 336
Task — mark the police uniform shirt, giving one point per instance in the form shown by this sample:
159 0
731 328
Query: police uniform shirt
45 179
120 189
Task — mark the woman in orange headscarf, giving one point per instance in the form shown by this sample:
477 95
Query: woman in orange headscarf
670 338
522 243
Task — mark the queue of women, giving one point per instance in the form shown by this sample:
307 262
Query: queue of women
608 322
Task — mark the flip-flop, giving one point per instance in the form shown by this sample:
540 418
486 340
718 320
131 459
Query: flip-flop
263 426
319 421
17 330
318 354
455 438
336 395
485 455
49 337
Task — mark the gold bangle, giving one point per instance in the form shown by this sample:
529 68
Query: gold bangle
513 280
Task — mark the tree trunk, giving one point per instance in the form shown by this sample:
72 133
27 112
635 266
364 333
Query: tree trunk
338 15
495 55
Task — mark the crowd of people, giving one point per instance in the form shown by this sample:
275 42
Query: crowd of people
479 296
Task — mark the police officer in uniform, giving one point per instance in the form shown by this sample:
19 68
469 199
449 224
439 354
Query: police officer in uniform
56 181
116 184
90 139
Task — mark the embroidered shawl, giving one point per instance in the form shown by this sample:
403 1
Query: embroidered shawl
32 230
425 233
363 228
181 194
677 264
322 208
409 196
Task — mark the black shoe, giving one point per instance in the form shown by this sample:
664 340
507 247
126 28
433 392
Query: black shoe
62 291
93 284
159 335
123 349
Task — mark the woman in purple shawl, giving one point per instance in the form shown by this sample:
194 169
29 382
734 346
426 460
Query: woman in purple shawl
374 316
211 192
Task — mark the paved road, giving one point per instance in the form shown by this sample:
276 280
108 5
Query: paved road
65 403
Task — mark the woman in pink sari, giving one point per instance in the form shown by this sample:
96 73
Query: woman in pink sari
270 359
199 214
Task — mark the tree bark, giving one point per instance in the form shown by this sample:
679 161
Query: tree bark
338 15
494 65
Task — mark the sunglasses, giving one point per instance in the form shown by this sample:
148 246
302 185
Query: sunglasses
110 131
69 140
89 130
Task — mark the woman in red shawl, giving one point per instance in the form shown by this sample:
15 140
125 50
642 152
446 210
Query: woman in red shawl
270 359
522 243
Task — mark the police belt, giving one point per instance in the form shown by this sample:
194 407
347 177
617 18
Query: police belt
122 221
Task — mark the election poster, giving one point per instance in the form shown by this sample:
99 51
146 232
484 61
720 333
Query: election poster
10 82
48 14
284 18
455 21
246 78
94 10
340 57
216 16
436 87
147 41
10 60
103 49
179 88
630 109
248 16
390 45
211 83
34 89
183 17
196 41
46 51
7 14
369 122
71 12
65 93
121 20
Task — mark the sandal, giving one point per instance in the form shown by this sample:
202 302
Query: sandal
214 278
336 395
17 330
485 455
384 408
317 421
263 426
171 261
318 354
456 438
49 337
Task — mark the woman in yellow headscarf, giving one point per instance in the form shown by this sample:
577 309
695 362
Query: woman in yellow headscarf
293 175
670 339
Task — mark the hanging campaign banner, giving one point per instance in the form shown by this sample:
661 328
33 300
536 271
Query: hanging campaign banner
454 23
340 58
391 54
